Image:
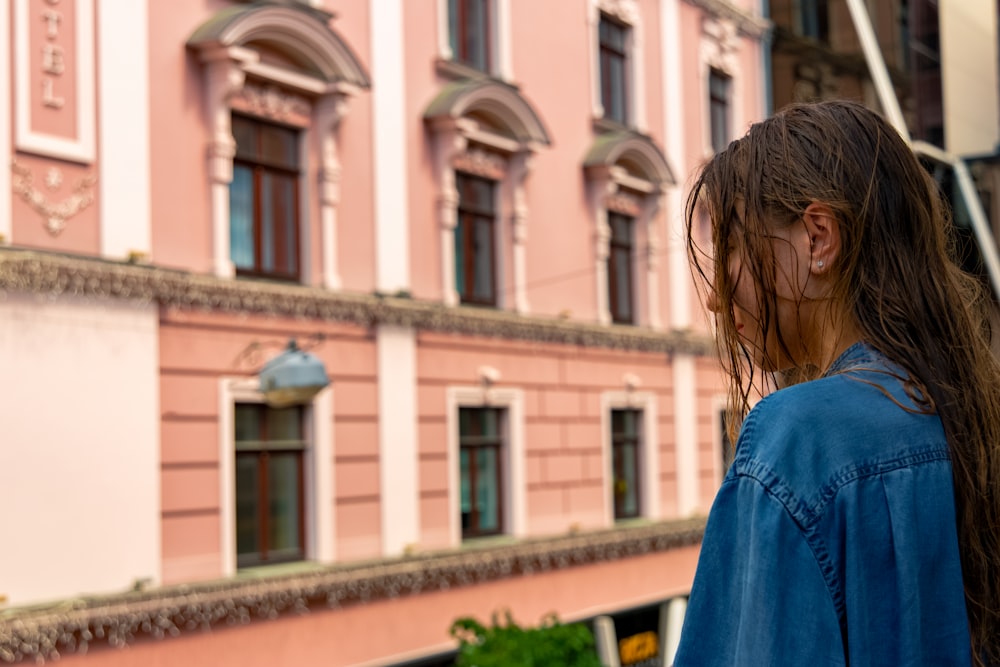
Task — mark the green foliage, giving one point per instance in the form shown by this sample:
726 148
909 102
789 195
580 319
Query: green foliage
506 644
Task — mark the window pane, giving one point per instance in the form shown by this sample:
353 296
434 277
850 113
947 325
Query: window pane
266 222
629 499
453 40
278 146
460 232
281 197
247 505
488 489
476 33
284 424
247 418
490 422
466 489
484 260
245 134
620 279
283 509
616 83
241 214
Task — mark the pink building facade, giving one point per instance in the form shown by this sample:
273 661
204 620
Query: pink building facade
469 211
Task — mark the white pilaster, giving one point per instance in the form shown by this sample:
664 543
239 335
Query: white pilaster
686 425
124 128
397 437
329 110
392 260
5 112
678 274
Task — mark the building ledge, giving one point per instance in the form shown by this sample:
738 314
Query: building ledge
56 275
73 626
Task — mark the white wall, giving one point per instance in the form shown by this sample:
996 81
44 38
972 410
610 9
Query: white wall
79 451
969 76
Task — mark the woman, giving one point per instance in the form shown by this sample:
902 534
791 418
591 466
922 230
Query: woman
860 521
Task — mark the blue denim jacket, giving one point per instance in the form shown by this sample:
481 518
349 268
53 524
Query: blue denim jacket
832 540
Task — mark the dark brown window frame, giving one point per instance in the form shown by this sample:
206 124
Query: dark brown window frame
472 443
263 453
626 247
462 33
610 56
258 167
468 218
619 441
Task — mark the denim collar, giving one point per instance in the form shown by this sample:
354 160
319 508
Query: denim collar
858 354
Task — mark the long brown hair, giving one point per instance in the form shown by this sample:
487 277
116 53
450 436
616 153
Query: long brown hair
895 274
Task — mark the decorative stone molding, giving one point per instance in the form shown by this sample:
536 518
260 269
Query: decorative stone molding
55 275
626 11
625 202
75 626
270 101
55 213
462 142
479 162
745 22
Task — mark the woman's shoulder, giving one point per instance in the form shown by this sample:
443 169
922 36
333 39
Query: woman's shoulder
861 420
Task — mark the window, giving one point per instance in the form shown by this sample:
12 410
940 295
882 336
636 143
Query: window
718 100
480 440
469 32
613 40
263 200
474 234
814 16
625 462
269 484
620 268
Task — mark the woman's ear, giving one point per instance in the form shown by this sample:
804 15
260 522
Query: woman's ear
824 237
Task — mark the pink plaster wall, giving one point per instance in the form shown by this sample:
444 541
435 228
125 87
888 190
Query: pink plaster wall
385 628
196 350
562 388
179 195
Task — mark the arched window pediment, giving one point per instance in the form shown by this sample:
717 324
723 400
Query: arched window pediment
505 111
634 153
301 33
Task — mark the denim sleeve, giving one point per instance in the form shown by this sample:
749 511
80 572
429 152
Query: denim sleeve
759 597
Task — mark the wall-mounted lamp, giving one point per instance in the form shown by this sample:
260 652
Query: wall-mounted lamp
292 378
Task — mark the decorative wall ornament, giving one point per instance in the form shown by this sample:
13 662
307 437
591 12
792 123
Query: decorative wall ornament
626 11
479 162
55 213
272 102
747 23
73 626
623 201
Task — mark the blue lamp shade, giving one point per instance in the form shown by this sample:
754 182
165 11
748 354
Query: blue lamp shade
292 378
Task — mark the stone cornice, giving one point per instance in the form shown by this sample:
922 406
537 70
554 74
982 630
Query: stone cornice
55 275
747 23
73 626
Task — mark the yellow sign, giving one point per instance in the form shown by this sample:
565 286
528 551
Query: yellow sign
638 647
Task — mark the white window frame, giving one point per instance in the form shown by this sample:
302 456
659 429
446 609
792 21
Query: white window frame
463 137
628 13
649 451
317 471
613 182
513 480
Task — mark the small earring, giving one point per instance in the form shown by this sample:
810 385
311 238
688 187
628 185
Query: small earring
819 264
